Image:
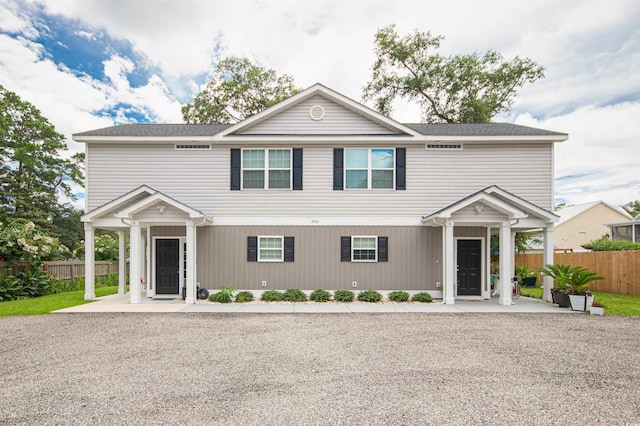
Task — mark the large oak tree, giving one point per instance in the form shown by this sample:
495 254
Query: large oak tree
238 90
469 88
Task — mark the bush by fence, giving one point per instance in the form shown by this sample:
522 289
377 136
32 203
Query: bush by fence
69 270
620 269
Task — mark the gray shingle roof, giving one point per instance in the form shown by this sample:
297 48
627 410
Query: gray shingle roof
157 130
441 129
479 129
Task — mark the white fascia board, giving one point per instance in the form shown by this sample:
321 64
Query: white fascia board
525 205
145 139
316 221
511 211
496 138
97 212
160 198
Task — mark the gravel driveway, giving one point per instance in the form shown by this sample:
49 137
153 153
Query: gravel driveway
319 369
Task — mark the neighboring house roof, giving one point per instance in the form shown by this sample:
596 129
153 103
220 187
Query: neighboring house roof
569 212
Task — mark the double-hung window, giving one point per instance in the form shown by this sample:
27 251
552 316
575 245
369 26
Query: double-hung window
372 168
266 169
270 249
360 248
364 249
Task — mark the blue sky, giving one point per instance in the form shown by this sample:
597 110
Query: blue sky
94 63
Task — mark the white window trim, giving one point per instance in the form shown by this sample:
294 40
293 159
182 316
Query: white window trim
375 238
266 169
281 238
369 170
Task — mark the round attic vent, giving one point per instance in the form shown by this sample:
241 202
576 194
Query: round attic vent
316 112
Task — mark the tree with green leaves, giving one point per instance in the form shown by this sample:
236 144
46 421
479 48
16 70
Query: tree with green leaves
32 171
633 208
470 88
238 90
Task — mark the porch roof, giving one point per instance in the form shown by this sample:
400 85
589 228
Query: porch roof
137 200
511 205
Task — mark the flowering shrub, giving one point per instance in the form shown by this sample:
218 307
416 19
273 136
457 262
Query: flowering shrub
21 241
106 248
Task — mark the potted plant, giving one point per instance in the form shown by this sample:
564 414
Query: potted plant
578 285
559 292
596 308
525 276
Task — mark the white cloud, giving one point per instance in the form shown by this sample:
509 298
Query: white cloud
600 159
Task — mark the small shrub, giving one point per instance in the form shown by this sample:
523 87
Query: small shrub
294 295
423 297
399 296
606 244
320 295
244 296
225 295
371 296
343 295
271 296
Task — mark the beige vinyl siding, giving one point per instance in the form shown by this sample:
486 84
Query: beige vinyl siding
435 179
414 259
337 120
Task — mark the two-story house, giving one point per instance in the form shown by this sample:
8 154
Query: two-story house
317 191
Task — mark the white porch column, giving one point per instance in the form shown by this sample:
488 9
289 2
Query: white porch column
450 265
191 263
135 253
122 263
89 262
506 264
547 260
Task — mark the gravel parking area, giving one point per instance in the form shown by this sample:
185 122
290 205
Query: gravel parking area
146 368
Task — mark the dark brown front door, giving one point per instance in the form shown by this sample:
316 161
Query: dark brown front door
167 266
469 267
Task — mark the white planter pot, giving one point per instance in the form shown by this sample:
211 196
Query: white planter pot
580 302
595 310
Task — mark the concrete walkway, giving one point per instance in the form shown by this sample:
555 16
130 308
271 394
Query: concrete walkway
120 303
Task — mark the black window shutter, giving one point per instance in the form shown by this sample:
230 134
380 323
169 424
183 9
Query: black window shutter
252 249
235 168
338 169
297 169
345 249
288 249
383 249
401 168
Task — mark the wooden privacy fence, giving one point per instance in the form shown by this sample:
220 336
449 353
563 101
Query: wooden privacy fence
620 269
68 270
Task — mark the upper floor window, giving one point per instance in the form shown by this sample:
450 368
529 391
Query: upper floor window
266 168
369 168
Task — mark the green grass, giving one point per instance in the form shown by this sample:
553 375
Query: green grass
614 304
53 302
